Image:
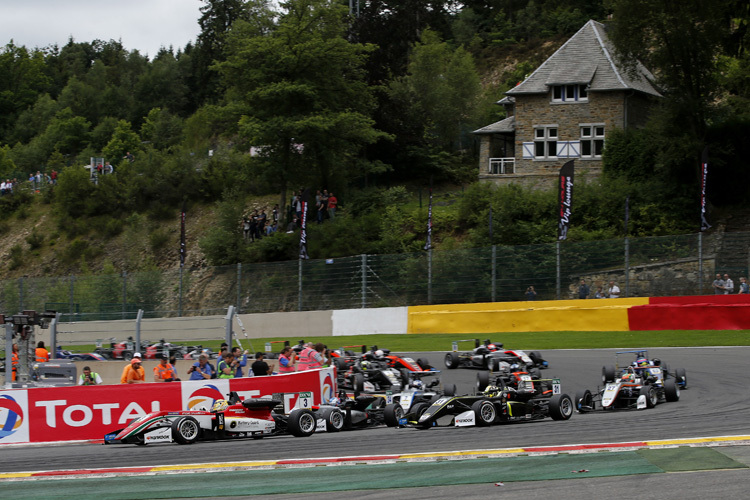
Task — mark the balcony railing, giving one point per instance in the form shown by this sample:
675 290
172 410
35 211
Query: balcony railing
502 166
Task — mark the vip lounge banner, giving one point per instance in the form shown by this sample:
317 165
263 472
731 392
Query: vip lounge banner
83 413
565 196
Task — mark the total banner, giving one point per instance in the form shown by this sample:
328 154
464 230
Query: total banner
45 414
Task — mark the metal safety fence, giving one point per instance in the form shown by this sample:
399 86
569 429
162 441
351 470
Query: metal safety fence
653 266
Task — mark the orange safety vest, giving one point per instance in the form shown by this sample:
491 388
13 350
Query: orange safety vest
285 369
306 360
14 362
165 371
42 355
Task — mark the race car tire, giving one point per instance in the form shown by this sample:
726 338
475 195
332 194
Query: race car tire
651 397
535 373
302 423
392 414
405 376
358 382
127 355
340 364
449 390
334 420
418 409
483 380
424 363
484 413
671 390
493 364
451 360
186 430
536 357
681 377
608 374
584 398
560 407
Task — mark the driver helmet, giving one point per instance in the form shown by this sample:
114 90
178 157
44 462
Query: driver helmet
379 353
515 367
491 390
220 405
334 401
628 377
642 362
656 361
492 347
364 364
417 384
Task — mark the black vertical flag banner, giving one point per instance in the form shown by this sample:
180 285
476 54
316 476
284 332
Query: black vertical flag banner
565 195
303 225
428 245
183 248
704 173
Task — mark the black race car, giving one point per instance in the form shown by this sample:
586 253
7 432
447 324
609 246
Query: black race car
488 355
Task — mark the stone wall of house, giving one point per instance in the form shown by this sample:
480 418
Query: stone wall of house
602 107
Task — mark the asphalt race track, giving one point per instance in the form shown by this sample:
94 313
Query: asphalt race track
716 403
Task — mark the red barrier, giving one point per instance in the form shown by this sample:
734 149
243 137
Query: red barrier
82 413
695 316
736 298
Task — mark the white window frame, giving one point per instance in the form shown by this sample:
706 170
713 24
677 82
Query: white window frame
549 141
570 93
591 134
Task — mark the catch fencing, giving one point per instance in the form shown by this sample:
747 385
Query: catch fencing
653 266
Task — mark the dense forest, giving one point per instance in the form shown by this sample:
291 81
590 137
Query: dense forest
370 102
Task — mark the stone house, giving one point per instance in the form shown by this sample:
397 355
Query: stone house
563 111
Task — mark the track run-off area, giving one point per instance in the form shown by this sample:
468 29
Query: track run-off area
696 447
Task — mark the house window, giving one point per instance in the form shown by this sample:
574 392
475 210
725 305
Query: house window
592 141
545 141
569 93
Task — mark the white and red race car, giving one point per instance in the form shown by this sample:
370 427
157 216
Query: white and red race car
251 418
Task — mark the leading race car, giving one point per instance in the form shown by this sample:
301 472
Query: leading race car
642 384
488 355
231 419
494 405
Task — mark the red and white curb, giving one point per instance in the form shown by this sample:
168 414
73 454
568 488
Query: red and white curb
380 459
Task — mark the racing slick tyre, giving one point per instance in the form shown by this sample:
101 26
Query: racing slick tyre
418 409
484 412
392 414
451 360
424 363
584 401
535 373
560 407
302 423
340 364
536 357
681 377
651 397
127 355
483 380
671 390
334 420
608 374
358 382
405 376
185 430
449 390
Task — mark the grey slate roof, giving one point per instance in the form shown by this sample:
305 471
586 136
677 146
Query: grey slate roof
586 58
507 125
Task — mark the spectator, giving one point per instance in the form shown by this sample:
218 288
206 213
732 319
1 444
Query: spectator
88 377
614 291
332 204
227 366
718 285
241 358
599 293
287 360
53 176
262 219
728 285
246 228
135 374
201 369
42 354
108 169
129 156
14 362
320 205
260 367
292 226
165 371
583 290
530 293
744 287
312 357
126 368
275 217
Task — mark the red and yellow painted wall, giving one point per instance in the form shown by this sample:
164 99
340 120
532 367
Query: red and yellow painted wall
703 312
